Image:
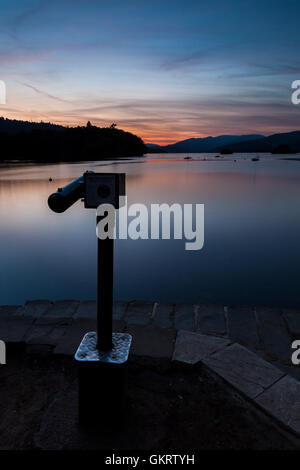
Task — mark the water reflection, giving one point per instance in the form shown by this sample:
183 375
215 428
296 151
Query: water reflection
252 223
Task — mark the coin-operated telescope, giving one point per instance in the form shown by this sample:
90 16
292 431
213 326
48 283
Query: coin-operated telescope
102 356
94 188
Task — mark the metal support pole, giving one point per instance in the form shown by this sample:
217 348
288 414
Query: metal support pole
105 292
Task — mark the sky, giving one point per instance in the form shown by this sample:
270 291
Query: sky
166 70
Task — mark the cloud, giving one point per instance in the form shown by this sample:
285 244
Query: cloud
265 70
20 19
28 55
48 95
183 61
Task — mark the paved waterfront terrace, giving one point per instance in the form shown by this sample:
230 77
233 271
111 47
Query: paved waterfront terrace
249 347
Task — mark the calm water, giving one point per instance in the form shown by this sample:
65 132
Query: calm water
252 232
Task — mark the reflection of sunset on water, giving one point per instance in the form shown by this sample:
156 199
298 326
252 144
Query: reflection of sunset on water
250 215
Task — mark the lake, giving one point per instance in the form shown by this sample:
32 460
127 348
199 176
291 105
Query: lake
251 251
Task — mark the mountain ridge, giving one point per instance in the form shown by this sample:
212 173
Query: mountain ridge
268 144
240 143
204 144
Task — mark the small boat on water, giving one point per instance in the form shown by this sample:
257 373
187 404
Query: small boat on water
188 158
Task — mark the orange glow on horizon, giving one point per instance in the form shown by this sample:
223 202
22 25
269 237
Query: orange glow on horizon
150 132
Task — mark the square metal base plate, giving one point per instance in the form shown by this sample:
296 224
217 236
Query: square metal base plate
88 352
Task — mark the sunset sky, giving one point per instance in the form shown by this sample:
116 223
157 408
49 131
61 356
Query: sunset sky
165 70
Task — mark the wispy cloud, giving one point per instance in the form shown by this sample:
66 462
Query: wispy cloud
26 14
44 93
269 70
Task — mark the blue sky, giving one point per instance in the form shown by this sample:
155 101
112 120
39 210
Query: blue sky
166 70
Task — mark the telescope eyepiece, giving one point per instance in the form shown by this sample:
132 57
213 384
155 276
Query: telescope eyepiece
57 203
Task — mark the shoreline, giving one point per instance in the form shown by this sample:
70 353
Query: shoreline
268 332
218 157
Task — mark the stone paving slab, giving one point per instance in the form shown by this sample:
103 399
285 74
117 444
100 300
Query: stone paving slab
292 318
276 340
62 309
69 343
120 308
242 326
164 314
193 347
54 321
86 309
292 370
151 341
282 400
243 369
139 313
211 319
11 310
36 308
185 316
13 330
44 334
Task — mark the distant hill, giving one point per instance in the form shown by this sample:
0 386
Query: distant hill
154 148
45 142
206 144
268 144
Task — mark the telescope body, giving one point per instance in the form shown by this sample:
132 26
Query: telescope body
65 197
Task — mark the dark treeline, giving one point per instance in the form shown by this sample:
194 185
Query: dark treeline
50 143
12 126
